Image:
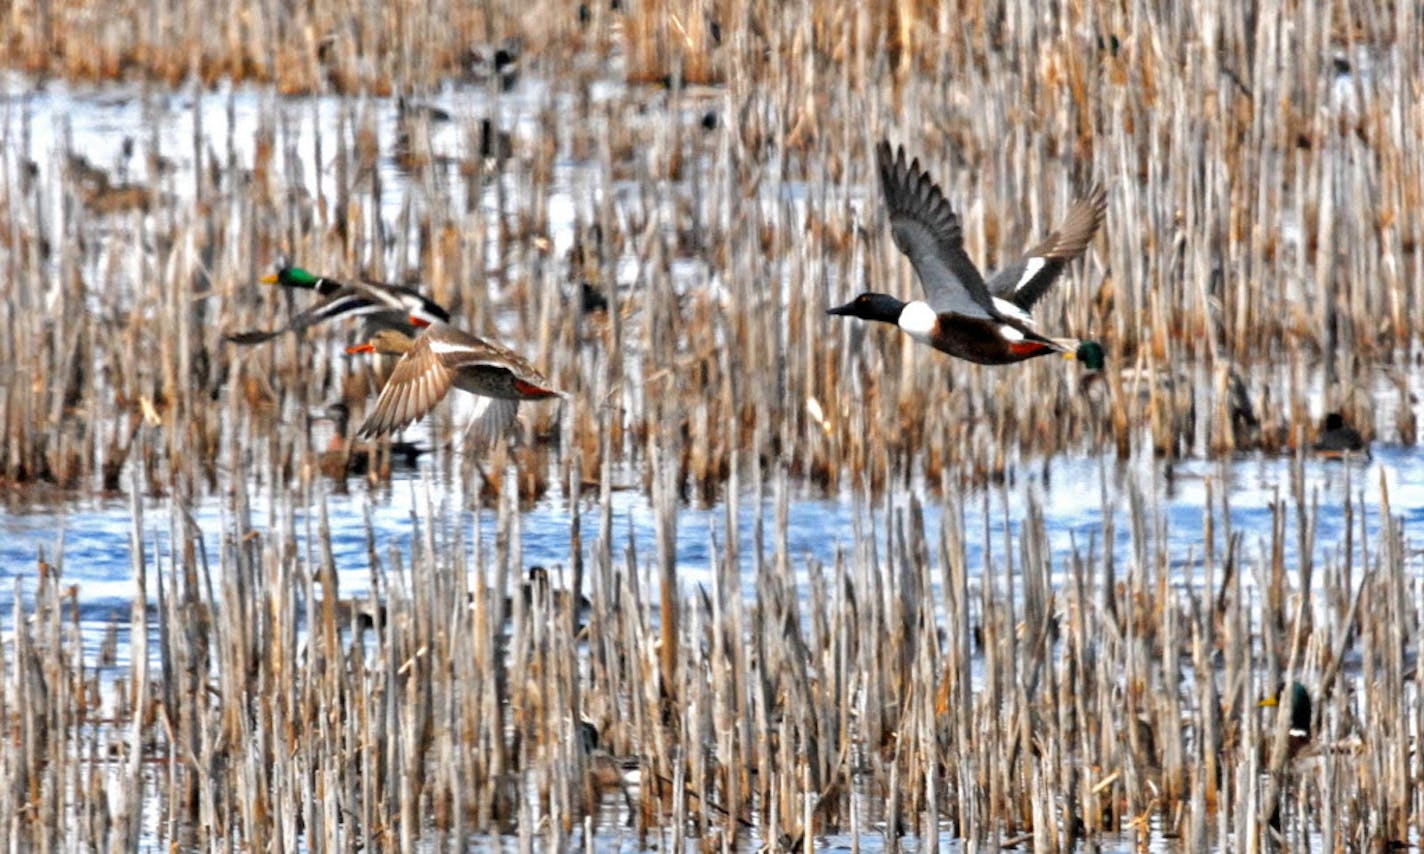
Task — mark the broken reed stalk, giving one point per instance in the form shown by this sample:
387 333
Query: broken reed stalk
987 693
1205 283
316 48
1260 236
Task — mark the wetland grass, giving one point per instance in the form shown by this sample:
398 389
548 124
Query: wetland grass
1261 257
897 685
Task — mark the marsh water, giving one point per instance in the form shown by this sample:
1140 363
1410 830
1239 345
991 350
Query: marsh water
1087 503
1083 501
86 536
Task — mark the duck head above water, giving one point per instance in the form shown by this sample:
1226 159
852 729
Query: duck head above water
1090 355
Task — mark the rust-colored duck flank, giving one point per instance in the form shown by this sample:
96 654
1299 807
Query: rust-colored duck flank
442 357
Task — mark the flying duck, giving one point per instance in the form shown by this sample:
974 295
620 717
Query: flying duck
442 357
962 314
383 306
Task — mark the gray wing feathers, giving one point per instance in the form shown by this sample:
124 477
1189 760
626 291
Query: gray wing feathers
1026 280
493 416
927 230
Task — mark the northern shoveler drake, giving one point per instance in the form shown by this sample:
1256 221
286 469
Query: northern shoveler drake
382 305
442 357
1164 396
494 62
962 314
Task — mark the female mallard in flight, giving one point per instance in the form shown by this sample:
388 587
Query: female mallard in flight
443 357
962 314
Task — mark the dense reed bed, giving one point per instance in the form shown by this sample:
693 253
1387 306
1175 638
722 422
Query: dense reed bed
902 689
1260 265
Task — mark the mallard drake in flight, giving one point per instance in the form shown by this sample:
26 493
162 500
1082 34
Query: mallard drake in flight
383 306
440 358
962 314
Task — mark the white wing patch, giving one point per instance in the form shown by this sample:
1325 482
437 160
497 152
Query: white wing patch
1031 268
918 320
1008 309
438 346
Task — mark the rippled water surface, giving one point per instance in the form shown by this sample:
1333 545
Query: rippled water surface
1087 502
89 541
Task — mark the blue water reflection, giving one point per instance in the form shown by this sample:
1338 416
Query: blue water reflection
89 544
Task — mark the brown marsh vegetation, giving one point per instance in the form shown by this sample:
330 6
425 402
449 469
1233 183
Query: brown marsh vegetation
706 169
